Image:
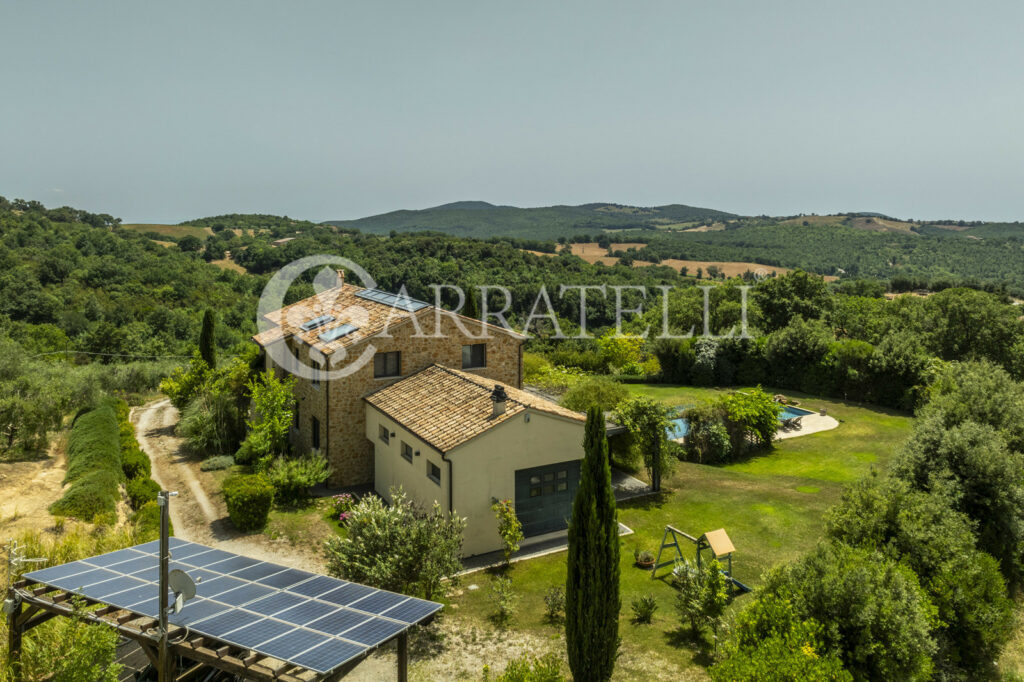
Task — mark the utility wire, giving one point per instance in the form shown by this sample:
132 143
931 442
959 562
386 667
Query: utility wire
111 355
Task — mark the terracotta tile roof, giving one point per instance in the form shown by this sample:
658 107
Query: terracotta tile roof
371 318
446 407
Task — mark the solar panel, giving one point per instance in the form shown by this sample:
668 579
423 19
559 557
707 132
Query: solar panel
399 301
338 332
310 620
310 325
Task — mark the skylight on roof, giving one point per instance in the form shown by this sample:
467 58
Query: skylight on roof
310 325
405 303
337 333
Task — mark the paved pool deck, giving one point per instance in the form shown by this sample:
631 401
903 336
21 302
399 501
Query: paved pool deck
810 423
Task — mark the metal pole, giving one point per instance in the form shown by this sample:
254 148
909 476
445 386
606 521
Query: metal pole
403 657
165 664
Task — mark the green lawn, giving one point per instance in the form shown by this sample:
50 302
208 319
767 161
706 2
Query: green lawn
771 505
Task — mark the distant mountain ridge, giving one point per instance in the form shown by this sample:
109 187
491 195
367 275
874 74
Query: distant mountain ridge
482 219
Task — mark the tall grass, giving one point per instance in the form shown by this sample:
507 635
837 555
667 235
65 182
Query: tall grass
64 648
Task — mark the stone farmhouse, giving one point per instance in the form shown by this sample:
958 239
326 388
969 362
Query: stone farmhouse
415 396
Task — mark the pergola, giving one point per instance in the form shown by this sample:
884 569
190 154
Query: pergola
191 649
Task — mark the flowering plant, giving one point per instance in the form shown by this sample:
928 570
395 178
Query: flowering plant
343 503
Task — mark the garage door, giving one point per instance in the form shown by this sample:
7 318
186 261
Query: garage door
544 496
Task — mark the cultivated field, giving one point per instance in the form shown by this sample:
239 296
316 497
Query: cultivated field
176 231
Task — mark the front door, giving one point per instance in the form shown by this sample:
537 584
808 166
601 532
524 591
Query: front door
544 496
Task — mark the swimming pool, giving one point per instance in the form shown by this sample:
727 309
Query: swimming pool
680 428
788 412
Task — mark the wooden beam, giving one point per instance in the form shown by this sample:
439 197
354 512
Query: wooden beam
14 635
38 620
147 648
231 664
191 672
403 657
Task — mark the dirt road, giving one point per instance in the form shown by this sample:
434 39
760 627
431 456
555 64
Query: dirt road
198 513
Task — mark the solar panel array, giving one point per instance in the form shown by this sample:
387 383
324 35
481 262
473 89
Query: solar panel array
405 303
337 332
304 618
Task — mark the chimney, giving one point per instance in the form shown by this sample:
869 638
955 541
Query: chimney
341 277
498 397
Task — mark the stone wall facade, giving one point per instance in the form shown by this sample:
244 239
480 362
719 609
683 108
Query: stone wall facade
338 405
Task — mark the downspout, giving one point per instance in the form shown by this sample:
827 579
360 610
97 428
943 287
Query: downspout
327 421
451 482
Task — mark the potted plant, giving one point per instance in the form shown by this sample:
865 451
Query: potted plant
644 558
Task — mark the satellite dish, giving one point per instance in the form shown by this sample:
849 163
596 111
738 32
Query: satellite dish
183 587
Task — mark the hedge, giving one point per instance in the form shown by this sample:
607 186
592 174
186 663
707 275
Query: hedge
141 491
135 463
94 466
94 443
93 494
249 498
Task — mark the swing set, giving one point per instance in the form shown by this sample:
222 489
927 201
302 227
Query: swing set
715 541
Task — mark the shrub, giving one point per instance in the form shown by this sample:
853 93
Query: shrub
217 463
707 441
185 383
602 392
249 498
292 477
71 650
146 522
771 643
504 598
534 366
135 463
702 596
644 608
90 496
874 615
141 491
397 547
273 402
554 604
509 527
546 668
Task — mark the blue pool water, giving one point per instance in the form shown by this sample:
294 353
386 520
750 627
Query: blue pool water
788 412
679 428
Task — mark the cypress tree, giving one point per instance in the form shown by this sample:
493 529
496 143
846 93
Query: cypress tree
472 307
592 582
206 347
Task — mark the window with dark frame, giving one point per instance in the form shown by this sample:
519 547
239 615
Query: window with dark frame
551 482
433 472
296 422
316 432
387 364
406 451
384 433
317 368
474 356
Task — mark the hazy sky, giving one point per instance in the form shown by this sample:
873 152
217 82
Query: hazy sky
160 112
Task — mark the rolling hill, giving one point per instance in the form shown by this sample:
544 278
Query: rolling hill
483 220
